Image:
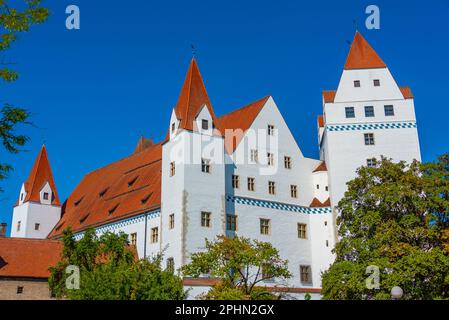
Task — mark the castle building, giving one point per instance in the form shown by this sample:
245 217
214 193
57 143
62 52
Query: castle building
241 173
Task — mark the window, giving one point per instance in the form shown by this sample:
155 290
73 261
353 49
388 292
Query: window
371 163
271 187
205 165
302 231
251 184
326 188
270 159
235 181
389 110
369 111
327 243
111 211
205 219
18 225
170 265
173 128
204 124
171 221
294 191
369 139
19 290
45 195
146 198
376 82
325 223
254 156
154 234
305 274
287 162
21 197
317 186
37 226
133 238
270 130
264 226
103 192
231 222
131 182
172 169
350 112
356 83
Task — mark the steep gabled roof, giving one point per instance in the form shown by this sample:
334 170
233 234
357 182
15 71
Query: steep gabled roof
329 95
406 92
240 119
362 55
40 174
192 98
123 189
318 204
20 257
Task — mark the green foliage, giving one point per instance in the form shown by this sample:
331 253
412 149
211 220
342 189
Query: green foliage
238 263
109 271
12 22
396 217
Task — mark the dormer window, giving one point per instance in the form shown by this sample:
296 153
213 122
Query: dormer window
204 124
45 196
111 211
131 182
148 196
103 192
356 83
376 82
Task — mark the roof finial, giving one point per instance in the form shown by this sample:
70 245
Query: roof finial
356 27
43 137
193 50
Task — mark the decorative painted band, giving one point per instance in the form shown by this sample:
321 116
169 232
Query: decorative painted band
371 126
278 205
122 223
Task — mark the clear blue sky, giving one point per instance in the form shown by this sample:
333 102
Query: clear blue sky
93 91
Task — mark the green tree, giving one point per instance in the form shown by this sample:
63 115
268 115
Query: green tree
241 265
110 271
14 21
395 217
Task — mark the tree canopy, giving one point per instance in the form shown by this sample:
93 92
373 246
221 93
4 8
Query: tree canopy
241 265
393 217
109 270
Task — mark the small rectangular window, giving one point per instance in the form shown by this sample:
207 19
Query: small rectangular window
294 191
265 226
356 83
251 186
271 187
287 162
349 111
170 265
18 225
19 290
171 221
205 219
326 188
204 124
45 195
270 159
235 181
154 234
231 222
173 128
327 243
302 231
389 110
21 197
205 165
133 238
254 156
172 169
376 82
306 277
37 226
369 139
371 162
369 111
270 130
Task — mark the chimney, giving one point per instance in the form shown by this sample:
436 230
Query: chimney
3 229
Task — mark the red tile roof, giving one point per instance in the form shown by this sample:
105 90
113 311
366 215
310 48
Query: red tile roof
143 144
406 92
39 176
320 121
21 257
362 55
192 98
318 204
239 119
122 189
321 167
329 95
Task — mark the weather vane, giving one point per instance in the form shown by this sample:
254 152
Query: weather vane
193 50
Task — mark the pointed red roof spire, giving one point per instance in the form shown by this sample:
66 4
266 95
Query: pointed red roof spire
362 55
192 98
39 176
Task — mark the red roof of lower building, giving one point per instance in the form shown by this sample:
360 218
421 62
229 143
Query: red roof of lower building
317 203
329 95
30 258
